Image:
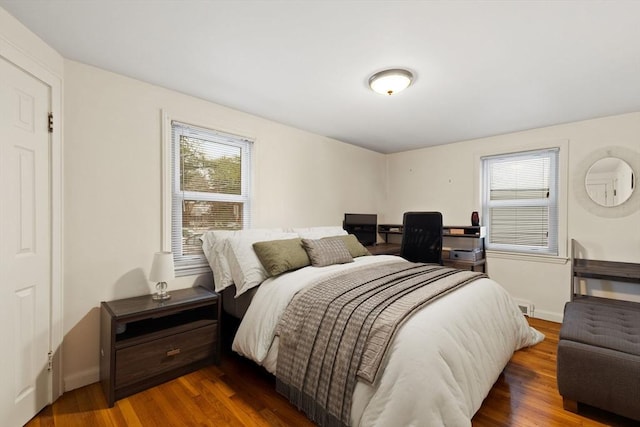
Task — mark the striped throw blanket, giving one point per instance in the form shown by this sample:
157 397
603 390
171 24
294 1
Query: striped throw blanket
339 329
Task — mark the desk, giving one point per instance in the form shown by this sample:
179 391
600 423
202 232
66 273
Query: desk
453 237
384 249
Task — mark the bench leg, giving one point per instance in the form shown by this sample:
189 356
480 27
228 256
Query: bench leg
570 405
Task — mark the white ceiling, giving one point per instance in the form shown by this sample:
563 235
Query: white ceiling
483 67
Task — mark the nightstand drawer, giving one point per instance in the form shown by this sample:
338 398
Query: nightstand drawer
140 362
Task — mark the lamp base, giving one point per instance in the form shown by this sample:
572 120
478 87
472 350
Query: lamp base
162 294
160 297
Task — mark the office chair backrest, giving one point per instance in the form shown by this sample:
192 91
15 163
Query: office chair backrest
422 237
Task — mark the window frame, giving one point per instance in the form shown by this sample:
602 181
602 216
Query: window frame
556 224
172 194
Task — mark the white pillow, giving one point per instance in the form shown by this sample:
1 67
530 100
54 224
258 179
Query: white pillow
246 269
214 243
319 232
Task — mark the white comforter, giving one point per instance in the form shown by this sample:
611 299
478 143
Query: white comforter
441 363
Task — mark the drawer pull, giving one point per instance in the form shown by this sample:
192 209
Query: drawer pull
173 352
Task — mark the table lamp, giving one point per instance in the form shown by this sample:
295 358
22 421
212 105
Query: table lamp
161 271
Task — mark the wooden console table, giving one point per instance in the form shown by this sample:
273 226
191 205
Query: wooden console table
602 270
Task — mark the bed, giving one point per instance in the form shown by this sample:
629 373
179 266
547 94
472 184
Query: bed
440 362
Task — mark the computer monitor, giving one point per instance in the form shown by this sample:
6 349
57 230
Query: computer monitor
363 226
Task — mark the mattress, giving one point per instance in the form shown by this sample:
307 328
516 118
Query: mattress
440 365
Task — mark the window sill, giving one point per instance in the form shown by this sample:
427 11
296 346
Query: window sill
547 259
192 270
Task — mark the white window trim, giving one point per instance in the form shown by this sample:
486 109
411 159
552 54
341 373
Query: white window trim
563 194
165 187
167 190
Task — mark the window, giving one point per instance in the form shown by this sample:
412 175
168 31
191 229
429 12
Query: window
210 189
520 201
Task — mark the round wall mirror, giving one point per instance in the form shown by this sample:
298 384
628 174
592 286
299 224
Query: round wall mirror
610 181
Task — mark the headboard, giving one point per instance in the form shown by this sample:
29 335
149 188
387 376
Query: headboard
236 307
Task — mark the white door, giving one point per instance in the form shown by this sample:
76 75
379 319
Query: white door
25 245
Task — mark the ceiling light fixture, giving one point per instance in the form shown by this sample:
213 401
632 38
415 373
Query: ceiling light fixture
389 82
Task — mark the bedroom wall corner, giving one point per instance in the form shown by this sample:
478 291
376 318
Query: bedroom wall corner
113 190
453 180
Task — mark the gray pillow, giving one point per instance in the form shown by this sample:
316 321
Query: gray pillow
352 243
279 256
327 251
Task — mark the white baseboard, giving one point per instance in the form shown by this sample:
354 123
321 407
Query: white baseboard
81 379
548 315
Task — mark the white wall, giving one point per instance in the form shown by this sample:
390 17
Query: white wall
22 39
445 178
113 197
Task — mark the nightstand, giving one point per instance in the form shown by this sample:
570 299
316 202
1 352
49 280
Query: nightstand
144 342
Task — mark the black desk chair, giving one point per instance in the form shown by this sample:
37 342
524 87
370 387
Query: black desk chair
422 237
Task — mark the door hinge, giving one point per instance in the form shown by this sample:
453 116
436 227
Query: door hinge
50 122
50 363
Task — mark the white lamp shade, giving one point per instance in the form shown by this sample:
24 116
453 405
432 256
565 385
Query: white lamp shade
162 268
389 82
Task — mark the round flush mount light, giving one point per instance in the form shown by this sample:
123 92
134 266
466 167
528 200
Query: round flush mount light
390 82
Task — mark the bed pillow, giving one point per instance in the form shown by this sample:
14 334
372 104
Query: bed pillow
356 249
246 269
214 245
279 256
319 232
327 251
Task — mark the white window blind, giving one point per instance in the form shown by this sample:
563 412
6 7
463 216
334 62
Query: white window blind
520 201
210 190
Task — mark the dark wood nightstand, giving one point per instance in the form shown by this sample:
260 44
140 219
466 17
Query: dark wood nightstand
144 342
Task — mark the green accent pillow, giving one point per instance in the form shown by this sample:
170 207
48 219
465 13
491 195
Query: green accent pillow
279 256
352 243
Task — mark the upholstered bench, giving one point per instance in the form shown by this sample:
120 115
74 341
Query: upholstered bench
599 356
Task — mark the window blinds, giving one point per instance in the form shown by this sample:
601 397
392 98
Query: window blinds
520 204
210 188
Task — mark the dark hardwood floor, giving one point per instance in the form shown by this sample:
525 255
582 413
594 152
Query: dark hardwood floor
239 393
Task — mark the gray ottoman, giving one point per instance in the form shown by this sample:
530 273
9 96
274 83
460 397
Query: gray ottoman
599 356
